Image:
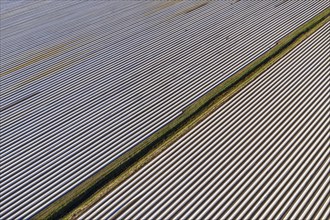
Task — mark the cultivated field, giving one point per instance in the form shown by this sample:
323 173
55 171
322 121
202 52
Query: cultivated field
264 154
82 82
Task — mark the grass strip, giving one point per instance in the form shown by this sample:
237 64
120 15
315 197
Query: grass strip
82 197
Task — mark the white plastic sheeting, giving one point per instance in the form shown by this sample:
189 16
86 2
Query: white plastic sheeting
264 154
84 81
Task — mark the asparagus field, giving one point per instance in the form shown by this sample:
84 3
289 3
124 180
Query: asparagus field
83 82
264 154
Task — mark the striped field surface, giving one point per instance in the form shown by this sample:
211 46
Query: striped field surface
82 82
264 154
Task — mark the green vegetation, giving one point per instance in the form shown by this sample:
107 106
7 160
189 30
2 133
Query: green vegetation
86 194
